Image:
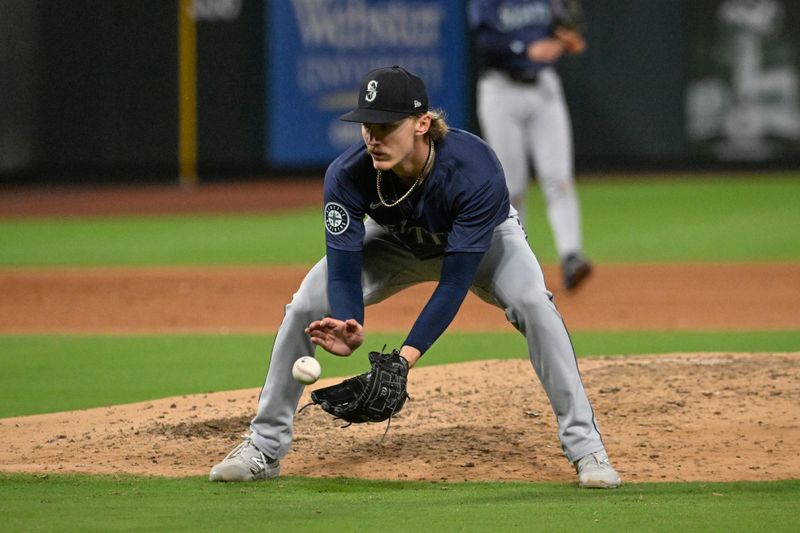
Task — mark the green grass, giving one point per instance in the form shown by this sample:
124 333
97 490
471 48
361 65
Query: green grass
48 373
63 372
108 503
685 218
287 238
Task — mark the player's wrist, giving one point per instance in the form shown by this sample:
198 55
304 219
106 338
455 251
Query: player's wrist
410 354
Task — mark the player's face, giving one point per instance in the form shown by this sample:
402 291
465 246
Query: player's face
389 145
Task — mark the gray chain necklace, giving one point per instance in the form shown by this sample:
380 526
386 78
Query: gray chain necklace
423 172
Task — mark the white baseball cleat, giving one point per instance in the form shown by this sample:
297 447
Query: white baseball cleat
595 472
245 463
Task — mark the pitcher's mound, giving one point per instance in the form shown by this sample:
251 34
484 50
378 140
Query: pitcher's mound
674 417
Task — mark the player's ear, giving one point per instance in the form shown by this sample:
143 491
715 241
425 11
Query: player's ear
422 124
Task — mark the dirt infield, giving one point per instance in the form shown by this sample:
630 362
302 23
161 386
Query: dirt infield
233 299
712 416
704 417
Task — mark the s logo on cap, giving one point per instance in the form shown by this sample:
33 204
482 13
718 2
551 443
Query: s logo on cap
401 94
372 91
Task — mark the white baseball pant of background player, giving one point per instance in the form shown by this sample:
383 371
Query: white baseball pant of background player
508 277
528 123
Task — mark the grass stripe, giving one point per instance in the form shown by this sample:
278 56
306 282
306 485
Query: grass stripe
689 218
682 218
112 503
163 240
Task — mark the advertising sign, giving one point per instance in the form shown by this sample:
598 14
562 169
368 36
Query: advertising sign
743 93
319 50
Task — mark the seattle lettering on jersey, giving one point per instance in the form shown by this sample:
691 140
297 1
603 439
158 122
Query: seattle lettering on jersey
512 17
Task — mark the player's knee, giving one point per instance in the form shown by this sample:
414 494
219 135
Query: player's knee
305 308
558 188
529 304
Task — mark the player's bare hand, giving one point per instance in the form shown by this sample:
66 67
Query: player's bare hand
574 43
545 50
336 336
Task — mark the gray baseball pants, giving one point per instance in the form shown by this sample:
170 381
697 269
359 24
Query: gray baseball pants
527 124
509 277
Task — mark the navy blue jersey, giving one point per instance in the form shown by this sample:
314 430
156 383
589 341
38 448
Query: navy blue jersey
455 209
504 28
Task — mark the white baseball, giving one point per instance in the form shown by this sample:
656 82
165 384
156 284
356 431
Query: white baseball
306 370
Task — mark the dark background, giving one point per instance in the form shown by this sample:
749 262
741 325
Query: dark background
89 90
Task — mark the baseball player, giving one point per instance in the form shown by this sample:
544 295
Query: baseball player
522 111
417 201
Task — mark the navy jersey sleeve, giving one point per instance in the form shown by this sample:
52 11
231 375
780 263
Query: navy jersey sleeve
344 285
343 211
344 237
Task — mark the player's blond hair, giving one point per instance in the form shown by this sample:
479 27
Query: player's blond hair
439 126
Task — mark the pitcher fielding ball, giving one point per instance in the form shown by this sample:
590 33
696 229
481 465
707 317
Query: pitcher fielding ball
415 201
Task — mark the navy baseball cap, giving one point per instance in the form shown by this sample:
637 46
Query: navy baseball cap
387 95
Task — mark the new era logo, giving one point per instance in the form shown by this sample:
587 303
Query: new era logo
417 104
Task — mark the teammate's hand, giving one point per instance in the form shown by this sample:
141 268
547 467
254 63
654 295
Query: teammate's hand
545 50
336 336
574 43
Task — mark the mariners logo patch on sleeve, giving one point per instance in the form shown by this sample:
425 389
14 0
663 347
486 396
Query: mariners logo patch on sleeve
336 218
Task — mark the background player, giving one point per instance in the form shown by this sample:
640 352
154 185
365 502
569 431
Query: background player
438 209
522 111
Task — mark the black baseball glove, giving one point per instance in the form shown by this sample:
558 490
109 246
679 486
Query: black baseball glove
568 14
371 397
